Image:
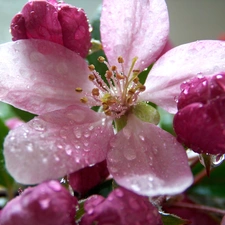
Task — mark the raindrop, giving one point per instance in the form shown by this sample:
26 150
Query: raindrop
77 133
54 185
63 134
86 134
29 147
38 125
142 137
135 187
68 151
119 193
91 128
44 160
44 203
216 160
129 154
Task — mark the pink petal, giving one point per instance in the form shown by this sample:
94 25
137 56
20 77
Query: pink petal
87 178
57 143
134 28
121 207
40 76
75 29
148 160
204 58
47 204
41 21
17 27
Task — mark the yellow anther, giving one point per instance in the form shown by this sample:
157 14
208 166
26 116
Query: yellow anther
91 67
84 100
108 74
95 92
107 112
91 77
136 71
101 59
78 89
142 88
113 68
120 59
119 76
131 91
105 106
129 100
136 80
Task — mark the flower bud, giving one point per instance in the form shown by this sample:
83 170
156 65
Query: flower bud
48 203
56 22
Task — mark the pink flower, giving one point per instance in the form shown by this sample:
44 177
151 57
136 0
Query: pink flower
57 22
200 120
120 207
48 203
40 77
87 178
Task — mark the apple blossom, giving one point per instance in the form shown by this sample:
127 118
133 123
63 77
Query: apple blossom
200 120
48 203
40 77
57 22
120 207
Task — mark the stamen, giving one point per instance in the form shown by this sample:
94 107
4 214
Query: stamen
78 89
101 59
84 100
91 77
120 59
95 91
91 67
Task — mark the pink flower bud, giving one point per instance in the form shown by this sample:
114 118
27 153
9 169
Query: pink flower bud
13 123
56 22
85 179
200 121
47 204
120 207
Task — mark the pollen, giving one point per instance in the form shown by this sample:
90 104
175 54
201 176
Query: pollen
78 89
115 92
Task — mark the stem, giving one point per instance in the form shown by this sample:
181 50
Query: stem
199 207
200 176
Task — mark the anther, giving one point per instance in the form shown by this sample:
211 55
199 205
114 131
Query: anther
120 59
113 68
136 71
91 67
119 76
142 88
78 89
101 59
84 100
95 92
136 80
108 74
91 77
131 91
107 112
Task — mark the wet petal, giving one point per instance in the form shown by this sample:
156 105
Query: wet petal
121 207
40 76
139 28
41 21
204 58
57 143
48 203
148 160
75 29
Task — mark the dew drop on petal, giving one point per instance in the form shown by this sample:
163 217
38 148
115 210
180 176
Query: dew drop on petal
38 125
54 185
216 160
129 154
44 203
44 160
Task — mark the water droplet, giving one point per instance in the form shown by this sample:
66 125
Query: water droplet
68 150
91 128
44 160
54 185
38 125
77 133
76 115
44 203
216 160
63 134
129 154
119 193
29 147
142 137
135 187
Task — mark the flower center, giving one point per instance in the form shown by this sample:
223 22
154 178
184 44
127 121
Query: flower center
116 91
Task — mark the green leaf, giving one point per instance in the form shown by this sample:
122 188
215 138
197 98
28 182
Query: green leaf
170 219
25 116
